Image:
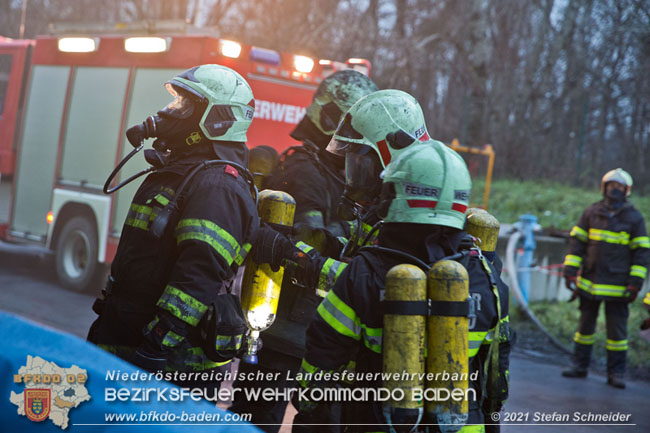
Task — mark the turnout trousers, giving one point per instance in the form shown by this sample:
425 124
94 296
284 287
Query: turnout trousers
616 315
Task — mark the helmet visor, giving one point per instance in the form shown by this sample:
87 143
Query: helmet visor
330 115
338 147
181 107
344 136
362 173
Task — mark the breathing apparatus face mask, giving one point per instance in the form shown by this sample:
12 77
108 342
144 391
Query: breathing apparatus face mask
387 196
614 194
362 179
177 124
362 174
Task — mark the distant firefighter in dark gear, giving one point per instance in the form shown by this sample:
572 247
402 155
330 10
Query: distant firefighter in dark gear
189 227
607 261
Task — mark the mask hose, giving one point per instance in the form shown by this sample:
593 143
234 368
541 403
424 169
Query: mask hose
107 189
397 253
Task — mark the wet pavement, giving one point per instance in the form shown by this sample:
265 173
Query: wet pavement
541 400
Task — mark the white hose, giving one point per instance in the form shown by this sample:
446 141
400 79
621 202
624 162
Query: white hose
514 288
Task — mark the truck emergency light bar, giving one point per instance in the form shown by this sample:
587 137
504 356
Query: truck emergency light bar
146 45
230 49
294 67
303 64
265 55
361 65
78 45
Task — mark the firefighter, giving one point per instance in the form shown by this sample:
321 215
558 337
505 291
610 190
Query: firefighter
375 130
376 116
418 228
610 248
384 123
370 120
189 227
314 178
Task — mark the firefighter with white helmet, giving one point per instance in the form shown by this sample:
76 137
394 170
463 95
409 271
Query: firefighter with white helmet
189 227
611 249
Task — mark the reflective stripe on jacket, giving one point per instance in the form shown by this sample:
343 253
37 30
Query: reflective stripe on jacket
612 249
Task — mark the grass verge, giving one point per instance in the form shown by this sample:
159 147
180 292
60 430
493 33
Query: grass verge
556 206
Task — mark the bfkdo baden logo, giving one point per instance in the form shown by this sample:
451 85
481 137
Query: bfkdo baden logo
50 391
37 404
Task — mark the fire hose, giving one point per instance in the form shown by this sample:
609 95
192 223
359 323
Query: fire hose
514 288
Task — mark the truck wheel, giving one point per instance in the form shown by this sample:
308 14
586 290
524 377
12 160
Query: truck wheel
76 254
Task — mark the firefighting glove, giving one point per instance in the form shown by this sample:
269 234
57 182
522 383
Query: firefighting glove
645 324
151 355
274 248
302 270
570 282
631 292
150 362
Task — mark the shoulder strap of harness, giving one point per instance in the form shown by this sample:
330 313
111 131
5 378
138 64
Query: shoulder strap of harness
311 150
160 222
465 308
491 367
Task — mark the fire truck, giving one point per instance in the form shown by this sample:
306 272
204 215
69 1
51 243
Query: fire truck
65 103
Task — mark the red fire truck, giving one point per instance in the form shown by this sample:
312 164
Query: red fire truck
65 103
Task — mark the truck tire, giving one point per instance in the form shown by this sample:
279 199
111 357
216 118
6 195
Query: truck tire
76 254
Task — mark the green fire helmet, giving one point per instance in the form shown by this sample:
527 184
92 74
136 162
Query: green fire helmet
427 185
228 97
617 175
335 95
388 121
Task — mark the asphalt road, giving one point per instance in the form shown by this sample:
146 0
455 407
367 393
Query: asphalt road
28 288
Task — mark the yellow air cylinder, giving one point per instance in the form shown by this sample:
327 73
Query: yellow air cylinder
484 226
261 286
473 210
447 343
262 161
403 348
